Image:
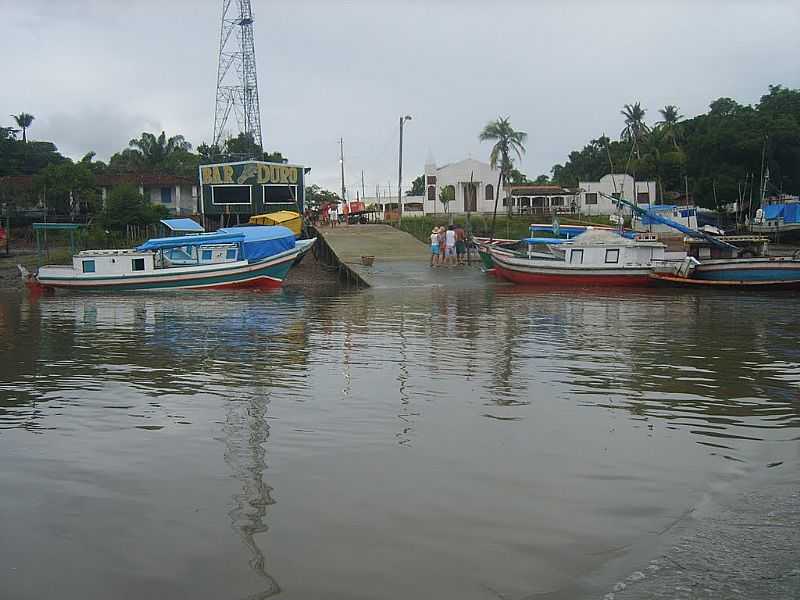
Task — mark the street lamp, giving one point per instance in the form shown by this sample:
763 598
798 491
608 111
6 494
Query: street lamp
400 170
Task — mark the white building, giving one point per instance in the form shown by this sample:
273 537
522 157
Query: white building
473 183
178 194
592 202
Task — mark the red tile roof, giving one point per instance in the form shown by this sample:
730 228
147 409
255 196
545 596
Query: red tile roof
538 190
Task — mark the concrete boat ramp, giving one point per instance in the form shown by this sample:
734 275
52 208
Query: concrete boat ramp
400 259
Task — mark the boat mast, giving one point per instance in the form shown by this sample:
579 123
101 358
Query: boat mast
763 181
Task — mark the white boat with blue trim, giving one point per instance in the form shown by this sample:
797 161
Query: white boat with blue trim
253 257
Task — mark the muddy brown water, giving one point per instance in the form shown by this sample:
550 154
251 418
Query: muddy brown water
485 442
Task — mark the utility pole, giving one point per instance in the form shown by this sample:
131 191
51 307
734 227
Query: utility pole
363 189
400 170
341 162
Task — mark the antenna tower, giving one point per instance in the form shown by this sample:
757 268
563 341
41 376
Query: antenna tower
237 83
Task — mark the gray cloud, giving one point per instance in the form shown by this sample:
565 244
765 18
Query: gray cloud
97 73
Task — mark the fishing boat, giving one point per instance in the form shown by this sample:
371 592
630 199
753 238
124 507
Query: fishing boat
723 261
780 219
594 258
231 258
745 262
532 246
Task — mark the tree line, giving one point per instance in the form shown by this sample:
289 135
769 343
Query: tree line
719 155
70 186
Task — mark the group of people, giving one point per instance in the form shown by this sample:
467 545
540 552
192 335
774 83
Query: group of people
448 246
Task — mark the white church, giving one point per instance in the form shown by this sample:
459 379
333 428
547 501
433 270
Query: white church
473 183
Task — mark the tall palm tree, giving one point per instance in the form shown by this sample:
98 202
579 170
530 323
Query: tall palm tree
155 149
635 127
24 121
507 140
670 123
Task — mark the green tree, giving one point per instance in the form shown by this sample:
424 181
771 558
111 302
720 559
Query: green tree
516 177
126 206
8 134
506 141
669 123
417 187
68 187
316 197
155 150
635 127
447 194
24 121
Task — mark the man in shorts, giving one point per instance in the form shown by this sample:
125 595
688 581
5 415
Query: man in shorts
450 245
461 244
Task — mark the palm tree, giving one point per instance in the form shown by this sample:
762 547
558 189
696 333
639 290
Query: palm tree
155 149
670 123
507 140
24 121
635 127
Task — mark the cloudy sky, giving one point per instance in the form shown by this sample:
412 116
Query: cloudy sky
96 73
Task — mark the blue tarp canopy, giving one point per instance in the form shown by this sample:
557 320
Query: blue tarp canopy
791 214
260 241
183 225
774 211
179 241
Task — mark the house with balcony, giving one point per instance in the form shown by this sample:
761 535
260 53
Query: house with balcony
178 194
543 200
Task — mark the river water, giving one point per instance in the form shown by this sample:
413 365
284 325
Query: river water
476 442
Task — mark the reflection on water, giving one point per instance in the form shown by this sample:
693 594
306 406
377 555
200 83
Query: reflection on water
455 441
245 433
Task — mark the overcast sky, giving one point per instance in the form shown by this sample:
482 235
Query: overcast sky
96 73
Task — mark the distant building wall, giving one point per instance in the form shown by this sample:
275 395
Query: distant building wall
592 198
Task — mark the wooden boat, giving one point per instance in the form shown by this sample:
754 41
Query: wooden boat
230 258
595 258
677 280
483 245
744 262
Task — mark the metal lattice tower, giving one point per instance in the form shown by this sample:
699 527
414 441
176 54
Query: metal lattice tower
237 83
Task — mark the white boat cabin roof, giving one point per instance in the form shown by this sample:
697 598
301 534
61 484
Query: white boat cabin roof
112 252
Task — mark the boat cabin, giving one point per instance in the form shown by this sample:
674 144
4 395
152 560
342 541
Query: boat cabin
113 262
743 246
608 249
